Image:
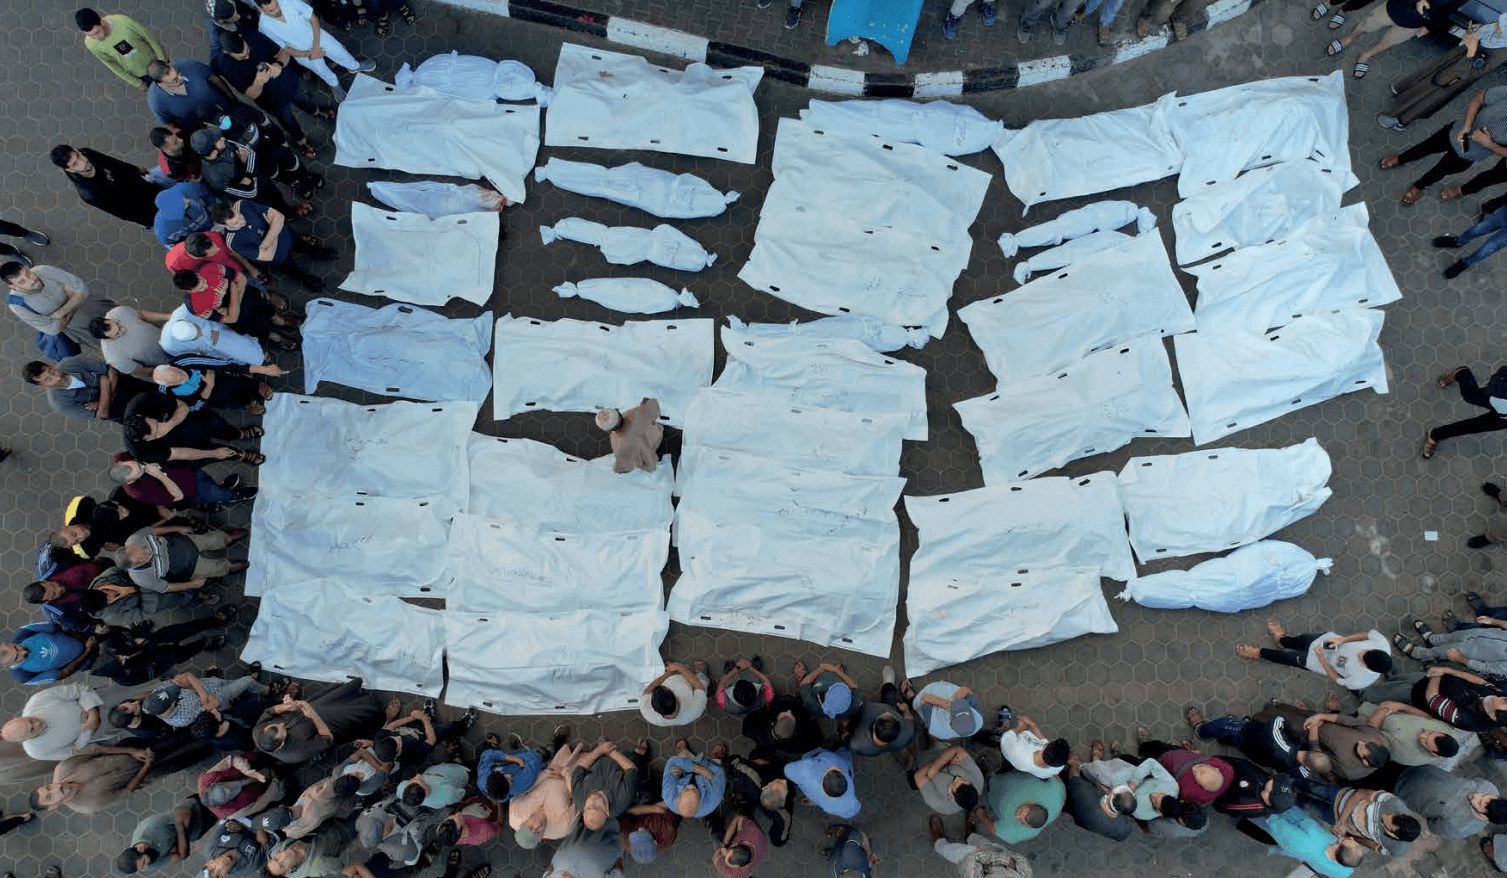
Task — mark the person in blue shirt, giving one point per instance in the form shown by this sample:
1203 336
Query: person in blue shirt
502 774
261 235
182 209
693 784
44 652
1307 840
187 95
827 779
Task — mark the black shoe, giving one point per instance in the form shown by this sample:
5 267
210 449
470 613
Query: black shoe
1478 542
1492 490
468 721
430 708
243 494
560 738
792 17
1447 241
227 614
232 481
4 453
255 671
36 239
758 663
213 671
1455 270
765 4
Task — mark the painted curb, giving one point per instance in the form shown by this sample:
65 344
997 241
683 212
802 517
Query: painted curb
838 80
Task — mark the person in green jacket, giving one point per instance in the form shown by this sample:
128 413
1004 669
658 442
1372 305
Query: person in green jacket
120 44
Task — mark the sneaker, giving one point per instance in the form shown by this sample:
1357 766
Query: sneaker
338 92
792 17
1494 491
430 708
1451 273
988 9
366 65
1391 123
468 720
950 26
1059 37
1023 34
36 238
232 482
20 257
1478 542
765 4
1449 241
241 495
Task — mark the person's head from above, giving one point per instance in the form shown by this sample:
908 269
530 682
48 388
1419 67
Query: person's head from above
169 376
50 795
164 74
609 419
1031 814
1279 793
774 794
964 794
885 729
106 328
962 718
42 592
387 748
1056 753
22 728
20 278
126 471
498 785
270 7
834 783
1438 743
1496 810
447 832
1208 777
1192 816
345 786
837 700
1377 660
136 555
1348 852
784 726
414 793
1373 753
531 832
71 160
207 727
744 692
269 736
1403 827
224 11
641 847
126 714
162 700
48 376
90 23
227 214
200 245
221 864
232 45
207 143
1316 761
166 140
689 801
1495 706
664 702
273 820
594 813
1165 805
12 654
136 858
1123 802
286 857
737 855
189 281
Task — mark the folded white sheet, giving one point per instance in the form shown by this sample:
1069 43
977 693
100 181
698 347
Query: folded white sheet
1236 379
579 366
1259 206
329 629
421 131
1105 299
398 350
1094 406
1219 498
1332 262
941 126
527 664
833 373
412 258
535 484
611 100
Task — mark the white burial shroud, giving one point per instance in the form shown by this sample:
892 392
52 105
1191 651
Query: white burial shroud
331 629
412 258
1251 576
1263 205
879 337
584 662
1332 262
397 350
940 126
1108 298
1012 567
539 485
770 549
422 131
610 100
1219 498
1094 406
580 366
1228 130
672 196
858 225
832 373
433 199
1065 158
1236 379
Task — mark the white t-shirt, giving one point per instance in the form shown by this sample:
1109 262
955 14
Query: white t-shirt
1345 658
1020 748
692 703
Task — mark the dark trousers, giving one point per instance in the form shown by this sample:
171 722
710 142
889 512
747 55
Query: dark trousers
283 112
1440 143
1317 798
1493 175
1294 651
162 649
11 822
1226 730
1471 392
13 230
1155 749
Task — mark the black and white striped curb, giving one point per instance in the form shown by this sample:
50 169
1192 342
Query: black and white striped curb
838 80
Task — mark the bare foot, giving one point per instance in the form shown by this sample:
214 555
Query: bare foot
1194 717
1190 746
1114 747
1301 704
1248 651
394 707
800 671
1142 735
719 752
682 747
1274 628
1096 751
1332 703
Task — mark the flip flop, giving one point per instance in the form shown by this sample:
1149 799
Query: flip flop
1334 48
1319 11
1360 71
1411 196
1338 21
1451 193
1404 645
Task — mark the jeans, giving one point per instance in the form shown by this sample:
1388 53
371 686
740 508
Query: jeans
1226 730
209 490
1471 392
1442 144
1294 651
1108 9
1318 798
1495 226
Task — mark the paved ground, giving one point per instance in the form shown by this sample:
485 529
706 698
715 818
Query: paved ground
1385 498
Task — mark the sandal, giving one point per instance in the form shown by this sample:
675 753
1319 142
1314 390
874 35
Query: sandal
1319 12
252 432
1389 162
1477 605
1194 717
256 407
1429 446
407 14
1411 196
282 342
1338 21
383 25
1360 71
1404 645
1449 620
1179 31
1424 629
1449 377
255 458
1334 48
306 149
1451 193
324 113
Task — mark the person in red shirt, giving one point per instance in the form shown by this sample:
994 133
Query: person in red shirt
200 248
1200 779
167 486
217 293
177 162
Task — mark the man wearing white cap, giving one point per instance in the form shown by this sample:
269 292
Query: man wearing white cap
186 333
635 436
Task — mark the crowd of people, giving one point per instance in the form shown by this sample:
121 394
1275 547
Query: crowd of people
339 781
